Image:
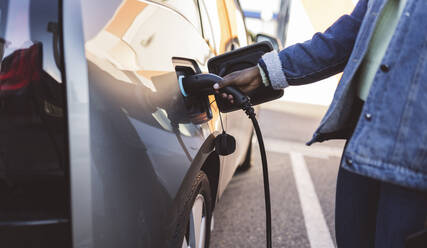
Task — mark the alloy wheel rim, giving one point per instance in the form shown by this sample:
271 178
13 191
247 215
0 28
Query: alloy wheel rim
195 236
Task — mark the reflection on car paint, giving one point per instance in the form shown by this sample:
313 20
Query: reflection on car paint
140 129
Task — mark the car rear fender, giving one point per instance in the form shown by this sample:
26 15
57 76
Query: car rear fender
207 160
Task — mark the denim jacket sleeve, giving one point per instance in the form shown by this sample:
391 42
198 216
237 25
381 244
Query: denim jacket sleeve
324 55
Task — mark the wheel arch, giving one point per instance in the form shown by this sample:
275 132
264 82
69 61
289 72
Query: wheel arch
208 161
211 167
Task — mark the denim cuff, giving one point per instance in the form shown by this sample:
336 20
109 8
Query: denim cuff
272 66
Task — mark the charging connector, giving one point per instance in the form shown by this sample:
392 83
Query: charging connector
202 85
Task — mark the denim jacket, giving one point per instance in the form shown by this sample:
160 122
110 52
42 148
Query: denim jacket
389 142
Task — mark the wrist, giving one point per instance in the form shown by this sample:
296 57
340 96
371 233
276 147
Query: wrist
263 76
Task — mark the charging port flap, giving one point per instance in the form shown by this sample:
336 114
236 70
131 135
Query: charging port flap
240 59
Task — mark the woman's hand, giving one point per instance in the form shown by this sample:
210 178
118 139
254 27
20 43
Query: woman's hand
245 80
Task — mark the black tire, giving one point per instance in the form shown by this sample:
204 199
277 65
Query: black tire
246 165
200 187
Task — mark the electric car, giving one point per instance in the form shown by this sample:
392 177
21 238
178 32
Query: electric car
99 147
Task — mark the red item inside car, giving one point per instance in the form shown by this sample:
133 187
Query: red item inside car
20 68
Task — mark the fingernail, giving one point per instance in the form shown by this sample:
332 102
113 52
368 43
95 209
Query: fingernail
216 86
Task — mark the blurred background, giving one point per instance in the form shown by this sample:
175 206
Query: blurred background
294 21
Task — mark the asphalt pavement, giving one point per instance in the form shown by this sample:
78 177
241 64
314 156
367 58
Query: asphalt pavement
302 184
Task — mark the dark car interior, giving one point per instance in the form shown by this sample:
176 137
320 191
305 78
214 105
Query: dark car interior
34 188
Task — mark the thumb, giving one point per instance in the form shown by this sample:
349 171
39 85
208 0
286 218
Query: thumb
224 83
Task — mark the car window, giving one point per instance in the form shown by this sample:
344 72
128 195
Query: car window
33 167
207 24
212 23
241 28
188 8
21 29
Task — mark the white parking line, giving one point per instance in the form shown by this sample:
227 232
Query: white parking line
315 224
317 151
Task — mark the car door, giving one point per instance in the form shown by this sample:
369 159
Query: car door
223 20
143 139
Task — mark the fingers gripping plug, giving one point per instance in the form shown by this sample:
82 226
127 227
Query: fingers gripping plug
202 84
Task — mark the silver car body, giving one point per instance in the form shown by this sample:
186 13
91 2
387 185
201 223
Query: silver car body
133 150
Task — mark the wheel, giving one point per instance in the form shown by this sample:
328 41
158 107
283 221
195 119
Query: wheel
247 162
194 229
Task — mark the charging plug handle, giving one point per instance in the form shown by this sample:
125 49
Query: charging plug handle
202 84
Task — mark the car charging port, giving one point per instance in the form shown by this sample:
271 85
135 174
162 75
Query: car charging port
197 105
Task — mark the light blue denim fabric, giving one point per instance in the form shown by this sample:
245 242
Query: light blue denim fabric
389 142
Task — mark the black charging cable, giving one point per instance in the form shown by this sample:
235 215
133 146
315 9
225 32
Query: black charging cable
245 104
250 112
202 84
